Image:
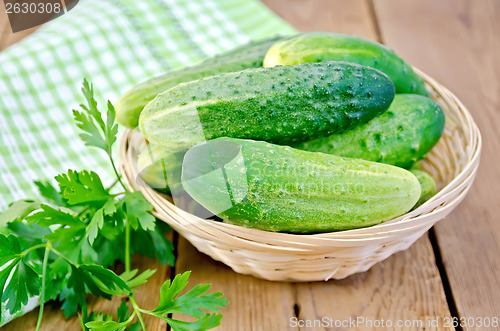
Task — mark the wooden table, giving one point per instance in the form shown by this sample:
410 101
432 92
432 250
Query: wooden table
452 271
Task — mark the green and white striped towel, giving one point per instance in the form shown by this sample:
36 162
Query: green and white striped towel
114 44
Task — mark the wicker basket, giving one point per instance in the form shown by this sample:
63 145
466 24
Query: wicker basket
453 162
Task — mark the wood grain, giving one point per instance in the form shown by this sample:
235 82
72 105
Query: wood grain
254 304
341 16
406 286
452 40
456 42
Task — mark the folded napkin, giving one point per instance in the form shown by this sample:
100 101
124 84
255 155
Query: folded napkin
114 44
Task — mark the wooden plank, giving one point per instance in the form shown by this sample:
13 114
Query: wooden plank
341 16
456 42
254 304
406 286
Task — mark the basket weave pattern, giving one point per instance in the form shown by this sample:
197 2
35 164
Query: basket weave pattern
453 163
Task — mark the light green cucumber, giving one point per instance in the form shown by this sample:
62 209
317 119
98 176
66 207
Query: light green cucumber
278 188
323 46
284 105
156 166
161 170
400 136
130 105
427 186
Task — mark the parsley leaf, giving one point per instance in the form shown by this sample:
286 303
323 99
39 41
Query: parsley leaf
18 210
9 248
106 325
122 312
96 223
128 277
96 133
29 232
163 247
98 280
25 282
104 279
62 250
93 316
205 323
190 303
18 280
101 321
49 216
82 187
50 193
138 211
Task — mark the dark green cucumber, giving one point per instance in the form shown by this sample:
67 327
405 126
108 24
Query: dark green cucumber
400 136
130 105
323 46
427 186
278 188
284 105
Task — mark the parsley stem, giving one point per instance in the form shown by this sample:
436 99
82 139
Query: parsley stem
138 311
64 257
113 185
116 171
48 247
33 248
127 246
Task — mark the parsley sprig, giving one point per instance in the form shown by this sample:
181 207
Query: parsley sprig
61 246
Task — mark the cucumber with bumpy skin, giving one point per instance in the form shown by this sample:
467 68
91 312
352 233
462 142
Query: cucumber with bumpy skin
284 105
130 105
323 46
427 186
400 136
278 188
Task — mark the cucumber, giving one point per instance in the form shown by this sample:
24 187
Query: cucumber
417 165
278 188
284 105
130 105
400 136
161 170
427 186
156 166
323 46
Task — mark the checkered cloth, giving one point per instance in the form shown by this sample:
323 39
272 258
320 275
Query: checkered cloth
114 44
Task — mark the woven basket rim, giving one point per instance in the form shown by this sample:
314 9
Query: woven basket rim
420 218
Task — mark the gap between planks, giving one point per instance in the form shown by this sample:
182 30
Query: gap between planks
352 17
432 237
456 42
405 286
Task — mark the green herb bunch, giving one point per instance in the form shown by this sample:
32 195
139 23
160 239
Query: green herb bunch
61 249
